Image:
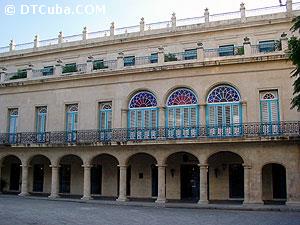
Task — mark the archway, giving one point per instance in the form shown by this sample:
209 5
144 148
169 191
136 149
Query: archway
142 179
11 174
225 177
182 177
71 175
104 176
39 174
274 184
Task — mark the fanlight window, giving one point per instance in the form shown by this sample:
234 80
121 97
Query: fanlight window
13 112
182 109
224 111
143 111
269 106
223 94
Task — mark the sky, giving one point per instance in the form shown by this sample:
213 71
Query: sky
23 23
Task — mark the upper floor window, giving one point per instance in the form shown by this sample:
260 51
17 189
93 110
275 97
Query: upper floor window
21 73
190 54
71 121
13 120
99 64
105 115
69 68
269 106
224 111
267 46
129 61
226 50
143 111
41 118
154 58
47 70
182 108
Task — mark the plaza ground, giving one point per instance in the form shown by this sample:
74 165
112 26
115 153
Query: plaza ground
16 210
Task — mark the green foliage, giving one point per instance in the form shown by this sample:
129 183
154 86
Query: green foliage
19 75
170 57
294 55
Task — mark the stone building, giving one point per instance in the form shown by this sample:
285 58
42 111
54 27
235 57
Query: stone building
193 110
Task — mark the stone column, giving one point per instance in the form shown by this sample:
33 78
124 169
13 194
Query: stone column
87 182
89 64
200 52
161 56
84 34
161 198
29 71
284 42
173 21
206 16
36 41
203 184
247 47
122 190
202 113
243 12
246 184
112 29
24 187
54 182
58 68
120 60
161 117
142 26
12 45
289 8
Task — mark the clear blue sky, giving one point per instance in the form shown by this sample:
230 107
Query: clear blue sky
22 28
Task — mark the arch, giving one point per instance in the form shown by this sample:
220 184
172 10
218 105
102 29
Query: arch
179 152
104 155
223 93
142 99
31 158
69 155
11 173
226 176
182 96
139 154
274 183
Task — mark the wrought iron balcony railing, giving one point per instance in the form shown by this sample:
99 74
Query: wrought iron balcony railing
123 135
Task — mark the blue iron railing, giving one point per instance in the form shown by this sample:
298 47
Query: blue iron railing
121 135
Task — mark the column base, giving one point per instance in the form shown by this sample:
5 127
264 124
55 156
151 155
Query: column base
22 194
86 198
122 199
53 196
203 202
293 203
161 201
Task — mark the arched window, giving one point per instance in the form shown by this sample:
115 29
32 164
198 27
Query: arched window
224 111
269 111
182 108
72 121
13 125
143 111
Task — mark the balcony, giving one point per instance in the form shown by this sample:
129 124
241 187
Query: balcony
204 134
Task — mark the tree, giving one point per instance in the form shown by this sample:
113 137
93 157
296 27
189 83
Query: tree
294 50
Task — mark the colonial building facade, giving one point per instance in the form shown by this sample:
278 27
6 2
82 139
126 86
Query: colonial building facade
185 110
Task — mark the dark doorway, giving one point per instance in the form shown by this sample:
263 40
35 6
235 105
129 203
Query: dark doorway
154 177
189 182
118 182
15 171
65 179
128 180
236 181
96 180
279 181
38 178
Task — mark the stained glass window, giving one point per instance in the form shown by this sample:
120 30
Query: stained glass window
223 93
182 96
143 99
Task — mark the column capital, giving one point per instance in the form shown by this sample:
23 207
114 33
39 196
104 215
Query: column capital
122 166
161 165
203 166
86 166
25 165
54 166
246 166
